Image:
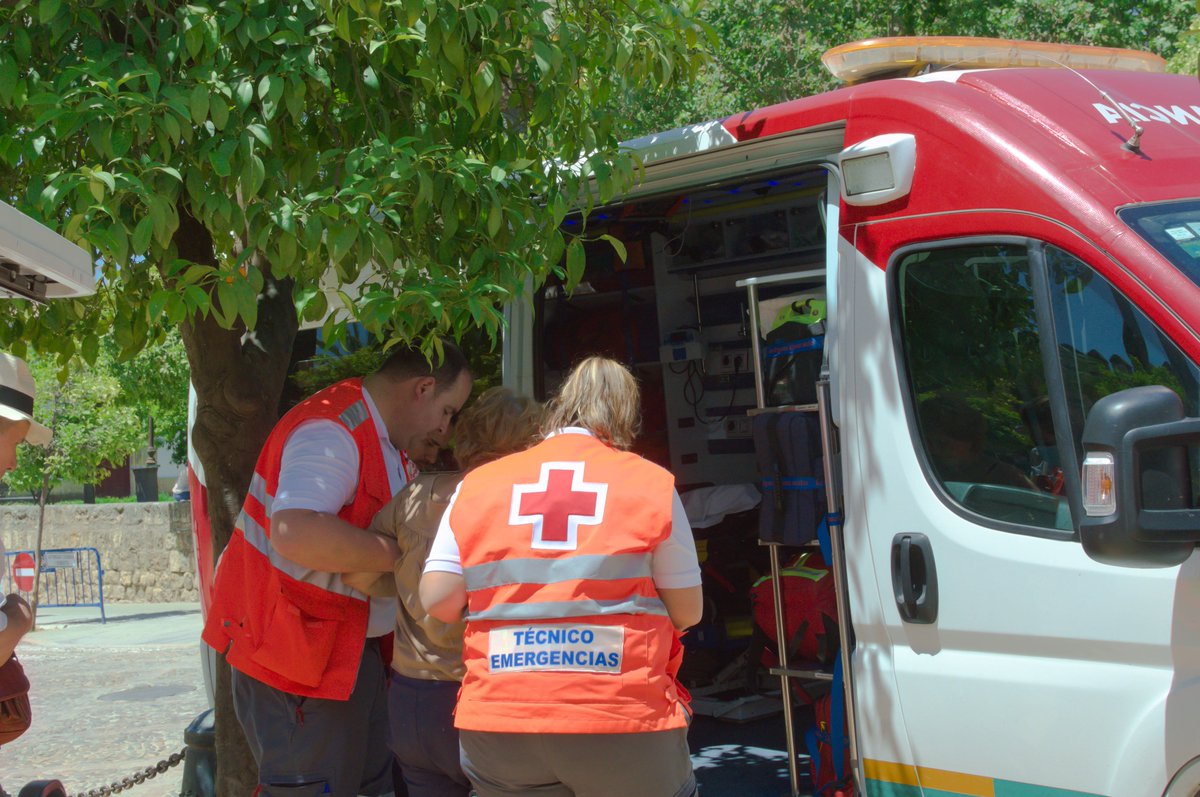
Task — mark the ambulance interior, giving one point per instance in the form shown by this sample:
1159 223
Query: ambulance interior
674 313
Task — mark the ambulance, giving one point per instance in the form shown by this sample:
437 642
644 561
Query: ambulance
1005 239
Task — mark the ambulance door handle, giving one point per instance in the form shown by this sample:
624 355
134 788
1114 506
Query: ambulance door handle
914 578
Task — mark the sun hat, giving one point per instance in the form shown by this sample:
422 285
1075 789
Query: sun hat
17 390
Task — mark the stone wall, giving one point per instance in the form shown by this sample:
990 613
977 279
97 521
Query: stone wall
145 549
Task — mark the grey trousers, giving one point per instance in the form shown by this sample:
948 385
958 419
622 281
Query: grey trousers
309 746
654 764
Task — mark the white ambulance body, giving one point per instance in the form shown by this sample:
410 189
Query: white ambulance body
39 264
1003 240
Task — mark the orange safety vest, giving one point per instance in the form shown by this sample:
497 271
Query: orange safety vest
565 630
298 630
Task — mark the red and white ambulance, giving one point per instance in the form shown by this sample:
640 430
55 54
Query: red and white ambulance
1007 239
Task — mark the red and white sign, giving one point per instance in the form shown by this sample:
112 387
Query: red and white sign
23 571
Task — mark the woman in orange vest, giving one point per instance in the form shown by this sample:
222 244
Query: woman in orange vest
427 660
576 567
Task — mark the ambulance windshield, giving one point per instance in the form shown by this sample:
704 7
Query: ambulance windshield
1173 228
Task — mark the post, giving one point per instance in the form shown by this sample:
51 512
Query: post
37 548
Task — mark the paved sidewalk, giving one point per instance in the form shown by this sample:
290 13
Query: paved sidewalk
108 698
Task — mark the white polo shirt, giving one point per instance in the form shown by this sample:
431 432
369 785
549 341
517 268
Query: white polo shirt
319 472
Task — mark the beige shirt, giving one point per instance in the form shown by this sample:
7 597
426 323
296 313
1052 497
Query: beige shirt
425 648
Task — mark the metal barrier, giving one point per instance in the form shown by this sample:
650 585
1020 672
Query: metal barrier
70 577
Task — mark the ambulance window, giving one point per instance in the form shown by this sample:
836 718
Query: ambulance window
970 343
1173 228
1107 344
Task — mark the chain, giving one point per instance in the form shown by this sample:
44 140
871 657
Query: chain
138 778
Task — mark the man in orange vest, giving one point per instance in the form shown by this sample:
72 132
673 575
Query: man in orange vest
308 676
576 566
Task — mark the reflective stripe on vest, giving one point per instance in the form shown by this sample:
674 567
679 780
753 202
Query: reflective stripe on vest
557 610
256 535
355 414
590 567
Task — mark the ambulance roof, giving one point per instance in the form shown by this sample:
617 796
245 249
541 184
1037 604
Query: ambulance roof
1042 143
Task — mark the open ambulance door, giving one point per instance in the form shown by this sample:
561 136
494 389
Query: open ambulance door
700 221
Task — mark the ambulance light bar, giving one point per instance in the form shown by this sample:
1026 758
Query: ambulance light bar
879 169
901 56
39 264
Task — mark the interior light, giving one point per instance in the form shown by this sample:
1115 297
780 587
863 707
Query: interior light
1099 484
885 57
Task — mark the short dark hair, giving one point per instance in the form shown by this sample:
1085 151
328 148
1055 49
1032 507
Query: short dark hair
407 362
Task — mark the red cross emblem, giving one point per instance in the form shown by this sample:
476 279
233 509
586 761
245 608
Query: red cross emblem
557 505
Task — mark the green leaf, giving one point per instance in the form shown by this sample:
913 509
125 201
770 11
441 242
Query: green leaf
260 132
481 85
120 244
243 95
89 347
270 89
287 252
47 10
543 56
225 308
196 299
21 44
253 175
194 40
453 50
342 24
220 161
142 234
171 127
176 308
495 218
576 261
342 241
247 302
8 79
617 246
122 139
198 104
218 109
158 301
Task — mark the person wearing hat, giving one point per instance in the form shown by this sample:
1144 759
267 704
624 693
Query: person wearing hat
17 390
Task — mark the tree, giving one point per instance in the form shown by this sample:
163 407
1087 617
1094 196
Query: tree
155 383
92 427
219 156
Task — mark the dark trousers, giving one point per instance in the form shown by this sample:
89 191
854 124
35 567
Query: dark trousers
309 746
652 764
424 738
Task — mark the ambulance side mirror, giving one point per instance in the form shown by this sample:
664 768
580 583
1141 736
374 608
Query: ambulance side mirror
1138 505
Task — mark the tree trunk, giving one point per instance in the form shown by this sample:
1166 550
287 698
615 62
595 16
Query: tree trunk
238 378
